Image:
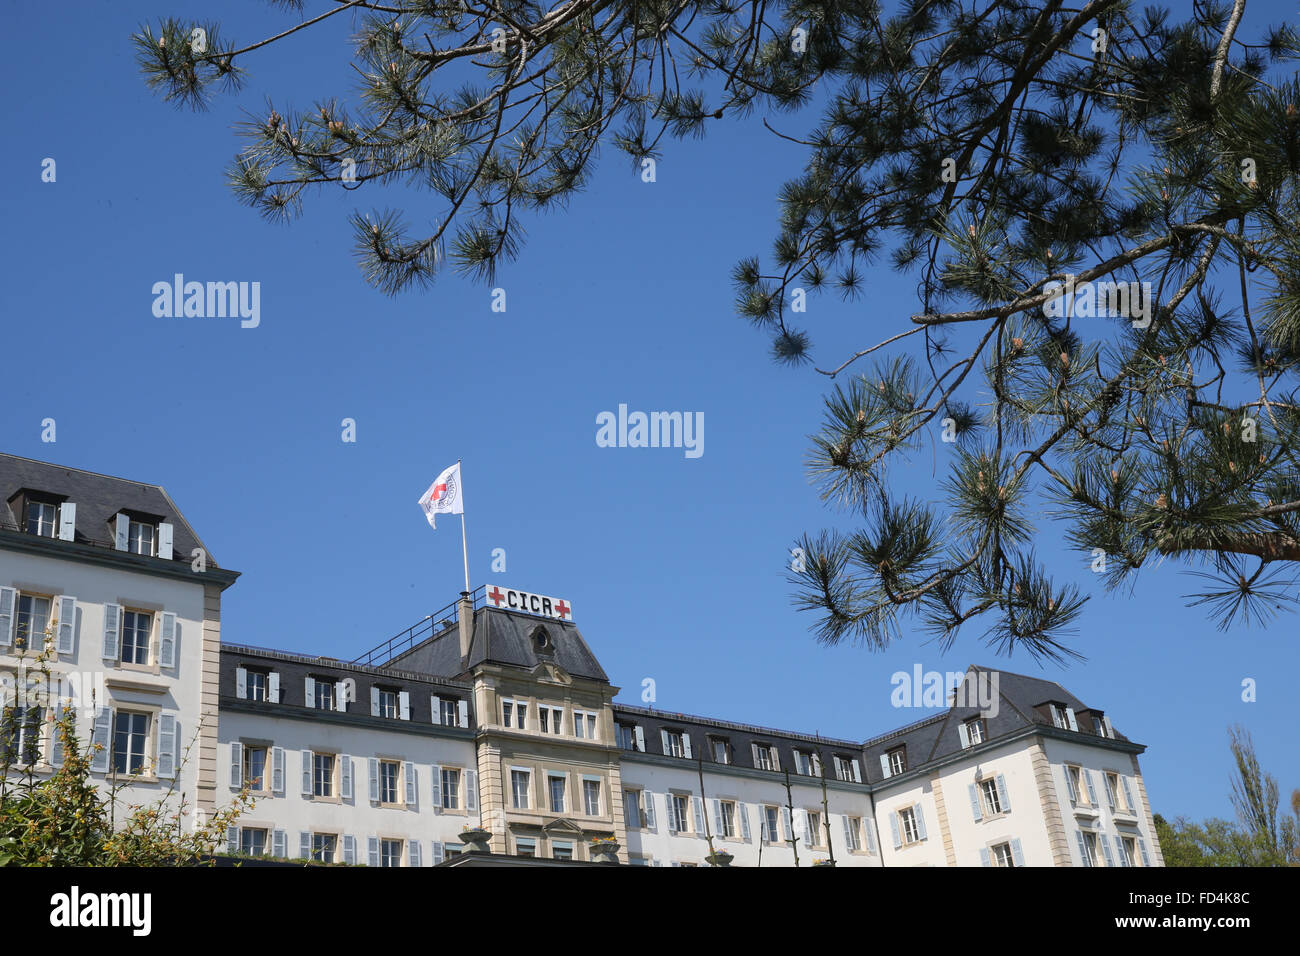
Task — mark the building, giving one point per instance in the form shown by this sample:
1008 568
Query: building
495 713
129 598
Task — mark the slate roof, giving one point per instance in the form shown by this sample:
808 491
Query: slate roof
98 499
503 637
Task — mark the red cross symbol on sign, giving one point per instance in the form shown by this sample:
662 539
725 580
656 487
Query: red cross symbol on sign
563 608
438 492
496 596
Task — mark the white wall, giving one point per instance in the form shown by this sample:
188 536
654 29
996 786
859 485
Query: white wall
1101 820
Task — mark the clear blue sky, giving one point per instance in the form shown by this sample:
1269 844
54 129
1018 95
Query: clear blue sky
675 566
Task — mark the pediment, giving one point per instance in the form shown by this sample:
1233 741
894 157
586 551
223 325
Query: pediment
561 825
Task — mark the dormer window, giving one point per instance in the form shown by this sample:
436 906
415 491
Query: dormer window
142 534
1063 717
42 518
140 538
542 641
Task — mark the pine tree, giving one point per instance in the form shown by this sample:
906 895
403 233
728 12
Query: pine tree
1096 205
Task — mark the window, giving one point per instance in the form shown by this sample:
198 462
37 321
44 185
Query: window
257 685
1126 851
853 833
770 832
561 850
1088 848
517 709
1100 725
907 820
525 846
42 519
322 774
807 763
814 829
591 797
627 737
255 768
1001 854
677 809
139 538
389 772
450 788
1063 717
556 789
674 745
33 618
632 809
388 706
519 786
130 741
765 757
252 842
975 731
137 626
721 751
897 761
390 852
323 847
1083 791
992 804
1112 792
728 819
584 724
450 711
846 768
323 697
550 720
20 735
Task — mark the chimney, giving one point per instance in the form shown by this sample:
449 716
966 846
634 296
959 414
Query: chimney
465 618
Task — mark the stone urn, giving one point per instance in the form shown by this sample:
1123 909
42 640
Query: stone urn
719 858
476 839
604 851
823 863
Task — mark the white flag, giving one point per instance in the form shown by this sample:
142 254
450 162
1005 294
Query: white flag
444 496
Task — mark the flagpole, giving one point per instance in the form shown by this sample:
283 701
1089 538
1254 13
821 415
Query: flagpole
464 545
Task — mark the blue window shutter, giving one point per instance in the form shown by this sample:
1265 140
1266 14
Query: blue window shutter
100 738
649 809
698 806
787 822
309 692
112 628
893 829
686 743
8 614
663 736
236 765
374 779
717 817
68 521
167 730
1069 718
341 696
435 708
964 734
306 773
630 818
241 681
1105 849
304 845
56 740
273 687
1089 776
279 843
848 833
232 839
374 701
1085 859
1069 783
165 540
372 851
413 852
349 848
884 764
857 774
471 790
920 821
408 771
345 775
437 788
1017 853
277 771
1002 794
439 853
742 810
462 712
67 624
167 656
1110 795
1119 851
975 803
986 858
671 812
639 733
1128 795
869 826
121 529
404 705
1142 849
